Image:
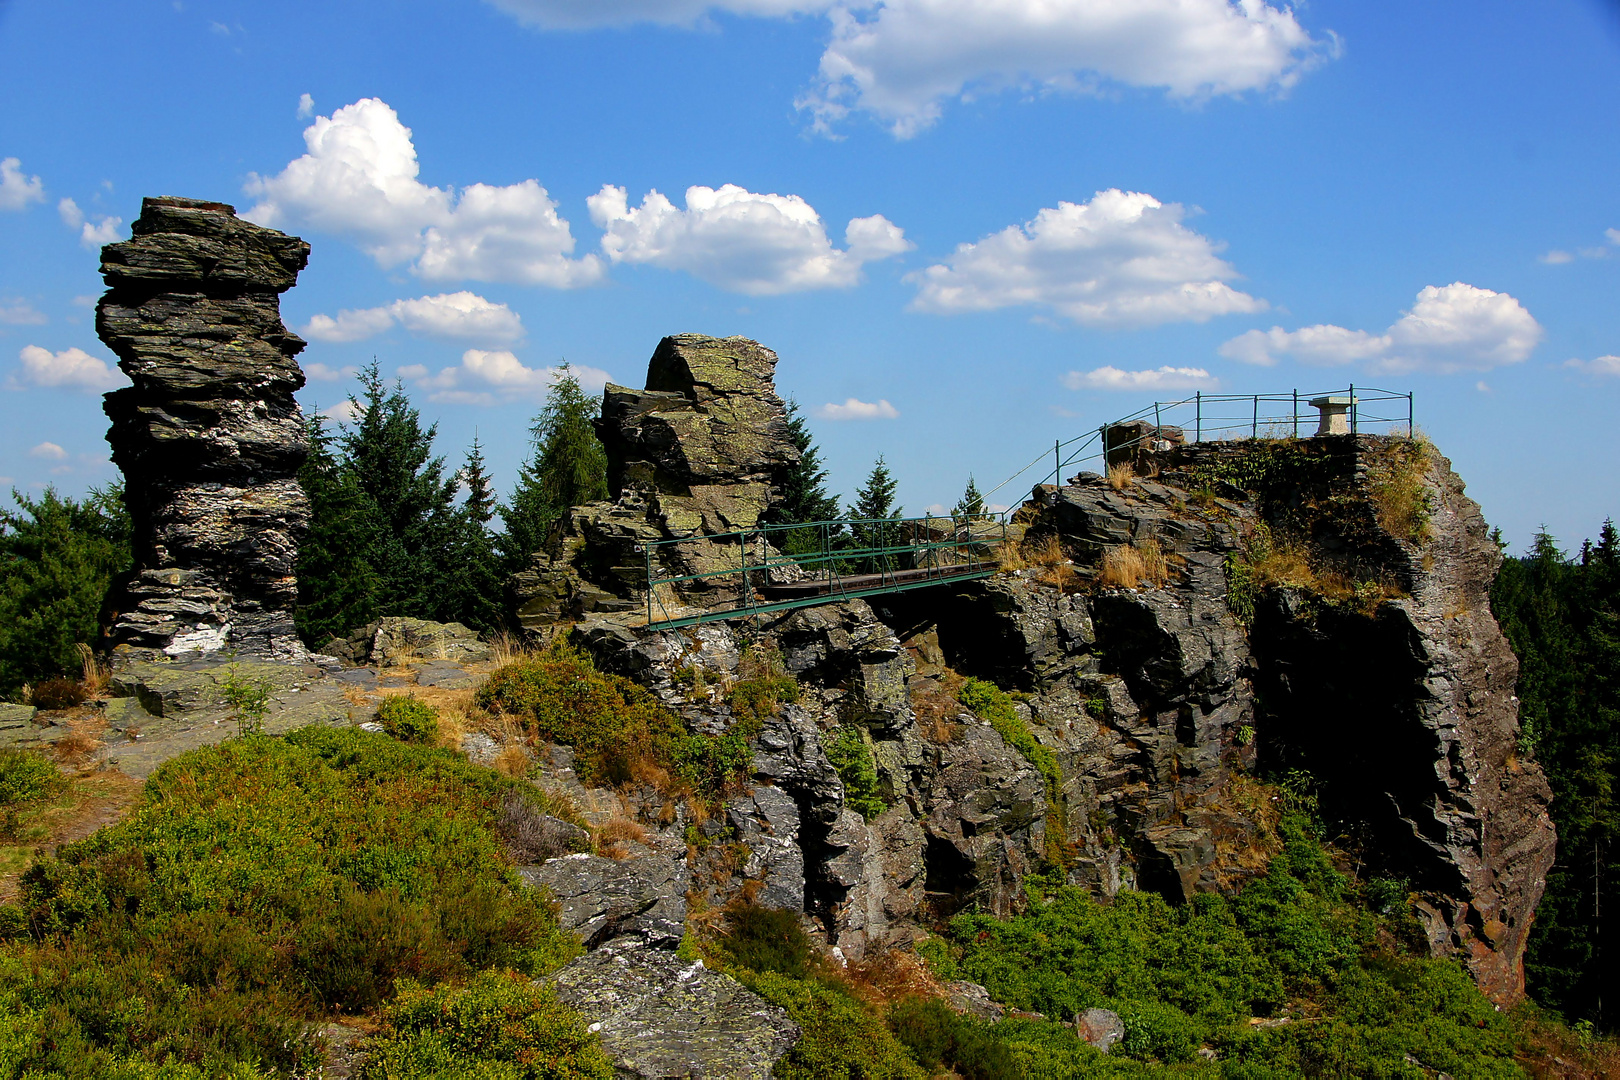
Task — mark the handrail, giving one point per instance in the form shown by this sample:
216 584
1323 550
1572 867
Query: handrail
848 558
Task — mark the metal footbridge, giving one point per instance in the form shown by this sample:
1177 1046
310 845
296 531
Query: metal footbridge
780 567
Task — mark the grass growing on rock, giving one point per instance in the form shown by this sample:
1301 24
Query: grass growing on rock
995 706
257 886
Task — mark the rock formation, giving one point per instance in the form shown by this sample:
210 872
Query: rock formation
209 437
1383 675
695 454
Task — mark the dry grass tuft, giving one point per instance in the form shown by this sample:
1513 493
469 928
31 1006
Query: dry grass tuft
936 706
1134 565
1045 555
75 748
513 761
506 647
615 835
1120 475
1010 558
97 675
892 974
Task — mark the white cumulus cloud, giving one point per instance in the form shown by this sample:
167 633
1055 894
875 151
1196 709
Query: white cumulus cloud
900 60
855 409
71 368
92 234
48 451
359 179
1607 366
488 377
17 190
1162 378
306 106
1122 259
456 316
1450 328
326 373
18 312
740 240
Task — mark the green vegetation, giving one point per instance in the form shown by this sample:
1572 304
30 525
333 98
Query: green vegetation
803 489
1297 944
249 701
851 755
995 706
567 468
971 504
874 501
1562 617
497 1026
57 559
618 730
26 777
409 719
258 885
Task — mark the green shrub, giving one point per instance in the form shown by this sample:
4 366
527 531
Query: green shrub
849 753
26 777
842 1040
498 1025
938 1037
766 939
58 694
258 883
409 719
753 701
612 724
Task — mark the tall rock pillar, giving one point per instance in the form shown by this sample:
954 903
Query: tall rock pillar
209 437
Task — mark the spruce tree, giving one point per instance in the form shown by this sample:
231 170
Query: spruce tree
875 501
411 534
802 493
971 505
474 578
567 468
337 588
58 557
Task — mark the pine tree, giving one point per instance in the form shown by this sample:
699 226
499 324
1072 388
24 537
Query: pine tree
568 468
337 588
58 557
874 501
971 505
802 493
474 578
410 541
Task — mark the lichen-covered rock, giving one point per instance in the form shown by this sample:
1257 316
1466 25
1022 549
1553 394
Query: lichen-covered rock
209 437
606 898
399 640
661 1017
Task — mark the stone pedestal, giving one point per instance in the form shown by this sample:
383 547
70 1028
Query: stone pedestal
1334 410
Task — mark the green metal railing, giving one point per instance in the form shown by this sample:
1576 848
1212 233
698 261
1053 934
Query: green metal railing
1207 417
780 567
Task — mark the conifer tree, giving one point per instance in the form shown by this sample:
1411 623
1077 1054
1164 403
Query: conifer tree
802 492
971 505
411 537
874 501
474 578
568 468
58 557
337 587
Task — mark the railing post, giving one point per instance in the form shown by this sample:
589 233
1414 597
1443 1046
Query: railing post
648 549
1158 432
1057 457
1411 420
1353 408
1296 412
1254 423
1198 413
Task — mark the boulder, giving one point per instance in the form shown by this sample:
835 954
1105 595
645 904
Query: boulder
661 1017
606 898
400 640
1101 1028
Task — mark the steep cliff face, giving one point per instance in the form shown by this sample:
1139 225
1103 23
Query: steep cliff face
209 437
1248 606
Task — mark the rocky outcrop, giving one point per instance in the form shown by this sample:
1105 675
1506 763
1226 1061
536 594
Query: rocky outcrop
209 437
695 454
1379 671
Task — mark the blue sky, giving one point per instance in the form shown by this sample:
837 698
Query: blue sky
968 227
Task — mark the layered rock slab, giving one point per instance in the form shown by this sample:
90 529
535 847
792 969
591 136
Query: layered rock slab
209 437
